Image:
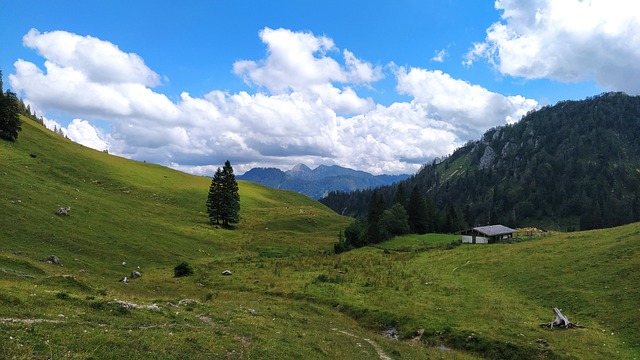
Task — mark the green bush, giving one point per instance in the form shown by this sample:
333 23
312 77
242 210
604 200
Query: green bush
62 295
454 244
322 278
9 300
182 269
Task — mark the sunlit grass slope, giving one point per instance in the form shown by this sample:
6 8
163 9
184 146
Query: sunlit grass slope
139 213
488 300
288 298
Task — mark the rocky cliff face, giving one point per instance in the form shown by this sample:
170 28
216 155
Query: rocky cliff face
487 159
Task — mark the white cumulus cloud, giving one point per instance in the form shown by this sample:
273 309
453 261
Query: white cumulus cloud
82 132
100 61
299 61
307 108
90 77
568 41
469 109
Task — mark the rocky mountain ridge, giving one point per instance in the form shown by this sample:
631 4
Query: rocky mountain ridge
318 182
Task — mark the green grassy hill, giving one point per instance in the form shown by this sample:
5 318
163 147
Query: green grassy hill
287 298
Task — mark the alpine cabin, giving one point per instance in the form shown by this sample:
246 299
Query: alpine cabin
487 234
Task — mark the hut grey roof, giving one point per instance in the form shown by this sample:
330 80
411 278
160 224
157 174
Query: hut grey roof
493 230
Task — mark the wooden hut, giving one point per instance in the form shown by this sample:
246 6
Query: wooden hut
487 234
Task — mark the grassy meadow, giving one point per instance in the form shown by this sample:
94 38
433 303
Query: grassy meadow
288 297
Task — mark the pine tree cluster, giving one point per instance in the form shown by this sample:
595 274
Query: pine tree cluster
413 215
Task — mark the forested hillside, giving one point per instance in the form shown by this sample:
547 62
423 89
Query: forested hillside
574 165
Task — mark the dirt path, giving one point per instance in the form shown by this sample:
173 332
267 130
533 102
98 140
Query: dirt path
373 344
27 321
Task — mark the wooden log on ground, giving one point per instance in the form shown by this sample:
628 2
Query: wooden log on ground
561 321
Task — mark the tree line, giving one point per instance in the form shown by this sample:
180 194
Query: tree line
404 214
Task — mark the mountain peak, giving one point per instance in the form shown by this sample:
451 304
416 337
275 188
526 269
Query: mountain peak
300 168
299 171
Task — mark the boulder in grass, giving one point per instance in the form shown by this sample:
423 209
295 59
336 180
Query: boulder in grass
135 275
227 273
52 259
392 333
63 211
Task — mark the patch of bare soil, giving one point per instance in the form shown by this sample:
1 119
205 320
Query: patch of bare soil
27 321
373 344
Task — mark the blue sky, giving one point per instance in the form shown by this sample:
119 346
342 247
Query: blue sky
380 86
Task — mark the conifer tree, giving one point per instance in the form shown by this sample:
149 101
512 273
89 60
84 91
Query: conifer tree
376 209
432 215
223 201
417 212
400 197
10 123
214 199
450 219
230 213
9 114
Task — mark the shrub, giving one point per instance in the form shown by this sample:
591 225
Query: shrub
97 305
9 300
454 244
182 269
322 278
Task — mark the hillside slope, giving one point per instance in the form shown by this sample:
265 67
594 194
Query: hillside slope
574 165
125 216
287 298
134 206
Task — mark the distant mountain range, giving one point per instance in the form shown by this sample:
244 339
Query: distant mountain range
320 181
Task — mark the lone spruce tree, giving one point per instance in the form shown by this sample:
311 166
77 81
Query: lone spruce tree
223 202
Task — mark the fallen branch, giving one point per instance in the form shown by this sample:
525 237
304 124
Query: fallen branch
561 321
